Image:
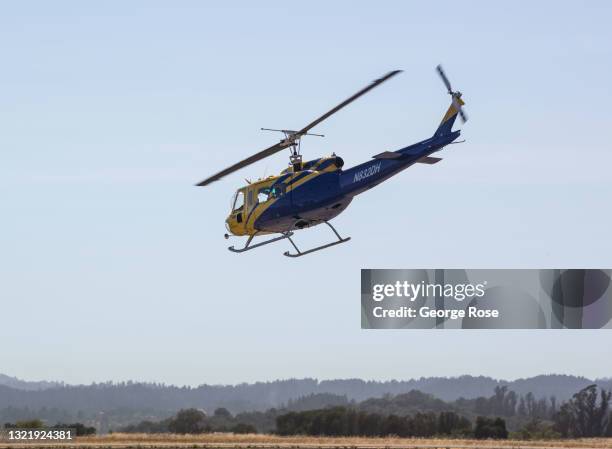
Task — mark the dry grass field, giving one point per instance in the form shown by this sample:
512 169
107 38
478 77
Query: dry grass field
229 441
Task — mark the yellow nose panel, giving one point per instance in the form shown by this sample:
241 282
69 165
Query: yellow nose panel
235 227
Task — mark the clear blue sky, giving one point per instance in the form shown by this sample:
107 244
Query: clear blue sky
113 266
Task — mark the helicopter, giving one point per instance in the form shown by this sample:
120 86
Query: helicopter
310 193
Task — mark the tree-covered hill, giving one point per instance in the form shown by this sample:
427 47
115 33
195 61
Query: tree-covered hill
159 400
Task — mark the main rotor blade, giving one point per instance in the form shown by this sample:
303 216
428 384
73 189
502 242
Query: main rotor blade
248 161
444 78
292 138
349 100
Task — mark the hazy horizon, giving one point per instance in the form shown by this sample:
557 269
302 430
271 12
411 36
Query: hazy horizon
319 380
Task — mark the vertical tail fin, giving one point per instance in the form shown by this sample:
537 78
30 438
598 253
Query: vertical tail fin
446 126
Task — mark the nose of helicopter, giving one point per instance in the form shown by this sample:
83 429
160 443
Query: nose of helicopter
232 225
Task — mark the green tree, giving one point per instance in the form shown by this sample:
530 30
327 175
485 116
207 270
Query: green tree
494 428
188 421
583 416
450 423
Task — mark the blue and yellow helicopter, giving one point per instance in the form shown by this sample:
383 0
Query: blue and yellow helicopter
310 193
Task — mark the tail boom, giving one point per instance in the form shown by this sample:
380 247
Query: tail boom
446 125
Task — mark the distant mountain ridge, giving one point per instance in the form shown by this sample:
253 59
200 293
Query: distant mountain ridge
264 395
19 384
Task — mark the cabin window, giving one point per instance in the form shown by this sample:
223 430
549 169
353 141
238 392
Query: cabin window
238 201
263 195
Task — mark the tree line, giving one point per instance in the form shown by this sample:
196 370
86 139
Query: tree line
587 414
342 421
508 403
194 421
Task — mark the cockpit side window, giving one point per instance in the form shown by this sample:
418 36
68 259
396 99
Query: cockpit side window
263 195
267 193
238 201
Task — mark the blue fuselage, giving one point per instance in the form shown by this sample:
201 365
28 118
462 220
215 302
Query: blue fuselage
325 194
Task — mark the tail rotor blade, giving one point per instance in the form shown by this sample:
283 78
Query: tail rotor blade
459 109
444 78
454 95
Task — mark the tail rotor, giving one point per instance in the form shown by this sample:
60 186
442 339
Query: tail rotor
455 96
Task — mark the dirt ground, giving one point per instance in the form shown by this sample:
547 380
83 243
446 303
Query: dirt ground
227 441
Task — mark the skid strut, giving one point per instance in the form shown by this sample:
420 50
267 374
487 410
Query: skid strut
318 248
248 246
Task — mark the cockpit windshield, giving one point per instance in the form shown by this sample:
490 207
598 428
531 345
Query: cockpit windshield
238 201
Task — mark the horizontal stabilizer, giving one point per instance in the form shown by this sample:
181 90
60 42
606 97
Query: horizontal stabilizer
429 160
387 155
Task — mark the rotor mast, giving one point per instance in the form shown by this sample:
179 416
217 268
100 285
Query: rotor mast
295 158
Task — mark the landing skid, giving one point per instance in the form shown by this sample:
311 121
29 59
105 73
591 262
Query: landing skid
248 246
318 248
288 235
